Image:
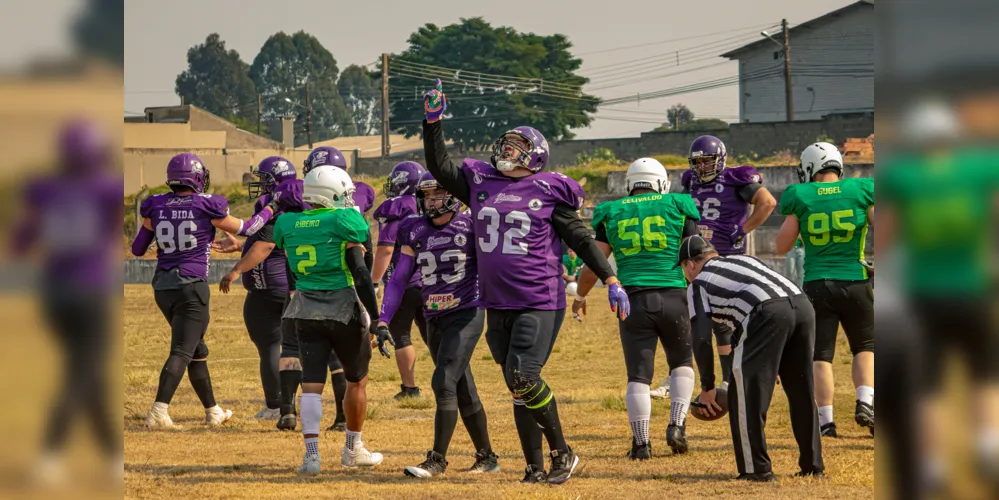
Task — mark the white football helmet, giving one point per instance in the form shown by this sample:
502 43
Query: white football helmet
570 289
931 120
327 186
647 173
817 157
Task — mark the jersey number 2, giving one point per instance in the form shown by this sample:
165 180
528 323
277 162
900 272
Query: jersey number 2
520 226
183 239
305 264
653 241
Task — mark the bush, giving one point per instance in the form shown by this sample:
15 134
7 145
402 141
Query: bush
672 160
598 157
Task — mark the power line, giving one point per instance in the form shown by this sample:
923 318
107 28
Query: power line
675 40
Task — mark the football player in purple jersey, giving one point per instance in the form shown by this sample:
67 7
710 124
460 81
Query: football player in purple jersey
262 268
183 224
364 199
519 214
724 196
72 218
401 203
439 243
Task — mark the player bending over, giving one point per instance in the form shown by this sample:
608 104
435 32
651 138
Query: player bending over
831 215
519 214
183 223
324 246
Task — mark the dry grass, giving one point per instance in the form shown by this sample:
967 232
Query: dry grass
252 459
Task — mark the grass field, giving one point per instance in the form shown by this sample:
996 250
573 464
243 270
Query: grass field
251 459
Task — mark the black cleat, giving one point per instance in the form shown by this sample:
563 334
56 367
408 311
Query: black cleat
676 438
485 461
640 451
434 465
563 463
758 477
829 430
534 474
407 392
339 424
811 473
864 415
287 422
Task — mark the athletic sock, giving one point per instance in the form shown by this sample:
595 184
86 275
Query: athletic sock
478 429
312 413
339 390
639 406
865 394
311 446
681 390
290 380
353 439
170 377
726 366
445 421
540 401
201 380
825 415
530 435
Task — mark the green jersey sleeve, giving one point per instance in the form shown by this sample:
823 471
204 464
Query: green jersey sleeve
789 201
867 191
685 204
279 230
600 215
351 226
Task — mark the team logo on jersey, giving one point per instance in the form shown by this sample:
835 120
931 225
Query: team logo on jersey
417 245
434 241
500 198
544 186
482 196
459 239
180 200
756 179
534 204
719 188
477 178
412 235
442 301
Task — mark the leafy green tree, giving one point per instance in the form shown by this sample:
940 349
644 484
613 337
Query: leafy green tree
361 94
540 87
679 114
217 80
285 65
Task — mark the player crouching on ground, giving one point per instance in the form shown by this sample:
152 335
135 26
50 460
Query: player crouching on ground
325 252
440 240
643 229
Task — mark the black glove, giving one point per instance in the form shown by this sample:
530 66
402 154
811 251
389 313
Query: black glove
383 335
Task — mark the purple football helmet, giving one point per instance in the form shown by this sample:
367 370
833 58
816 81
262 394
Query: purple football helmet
707 157
448 202
271 171
324 155
84 147
187 170
533 157
403 179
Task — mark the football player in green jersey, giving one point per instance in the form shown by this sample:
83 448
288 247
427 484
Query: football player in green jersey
644 231
324 248
831 216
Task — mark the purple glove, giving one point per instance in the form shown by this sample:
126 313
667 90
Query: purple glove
287 196
618 301
434 103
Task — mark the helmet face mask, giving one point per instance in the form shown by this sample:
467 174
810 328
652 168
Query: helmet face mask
271 171
432 200
523 147
707 158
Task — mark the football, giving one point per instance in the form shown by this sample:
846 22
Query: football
697 409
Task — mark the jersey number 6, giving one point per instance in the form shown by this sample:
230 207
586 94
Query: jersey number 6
653 241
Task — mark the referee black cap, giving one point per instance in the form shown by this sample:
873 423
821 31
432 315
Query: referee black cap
693 247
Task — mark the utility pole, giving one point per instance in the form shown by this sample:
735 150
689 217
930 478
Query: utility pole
386 146
788 96
259 99
308 115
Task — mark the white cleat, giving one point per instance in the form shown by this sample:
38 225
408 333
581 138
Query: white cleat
661 392
216 416
160 419
310 464
50 472
360 457
268 414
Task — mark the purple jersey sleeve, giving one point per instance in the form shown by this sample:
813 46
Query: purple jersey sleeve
563 188
742 175
215 206
364 196
686 178
146 209
389 214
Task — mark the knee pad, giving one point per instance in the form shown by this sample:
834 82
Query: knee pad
311 411
335 364
401 338
200 352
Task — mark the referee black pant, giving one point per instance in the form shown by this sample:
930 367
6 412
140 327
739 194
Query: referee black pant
779 340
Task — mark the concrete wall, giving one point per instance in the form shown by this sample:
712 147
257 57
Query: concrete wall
148 166
140 271
763 139
377 167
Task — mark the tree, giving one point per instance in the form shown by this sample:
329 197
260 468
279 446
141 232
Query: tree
281 71
217 80
679 114
98 31
362 97
539 85
250 125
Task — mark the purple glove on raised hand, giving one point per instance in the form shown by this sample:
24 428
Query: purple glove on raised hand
618 299
434 103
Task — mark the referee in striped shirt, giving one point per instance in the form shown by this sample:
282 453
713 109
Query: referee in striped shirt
774 334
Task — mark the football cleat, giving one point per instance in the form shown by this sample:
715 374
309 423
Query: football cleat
564 462
829 430
485 461
864 415
216 416
434 465
268 414
811 473
534 474
310 464
160 419
676 438
359 457
408 392
287 422
640 451
759 477
661 392
339 424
